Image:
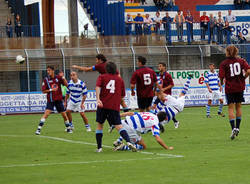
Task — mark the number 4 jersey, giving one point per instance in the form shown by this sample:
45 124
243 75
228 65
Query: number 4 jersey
233 70
144 78
112 91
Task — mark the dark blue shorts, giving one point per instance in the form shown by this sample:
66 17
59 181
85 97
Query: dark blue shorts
58 104
144 103
235 98
112 116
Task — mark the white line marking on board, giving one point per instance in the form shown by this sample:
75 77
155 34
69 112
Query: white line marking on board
92 144
78 163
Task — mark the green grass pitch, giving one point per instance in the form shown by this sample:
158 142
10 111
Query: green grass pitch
55 157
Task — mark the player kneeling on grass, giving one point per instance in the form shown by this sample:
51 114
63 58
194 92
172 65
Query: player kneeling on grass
141 123
170 105
52 86
75 98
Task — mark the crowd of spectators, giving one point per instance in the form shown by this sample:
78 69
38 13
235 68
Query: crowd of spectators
242 4
18 29
217 28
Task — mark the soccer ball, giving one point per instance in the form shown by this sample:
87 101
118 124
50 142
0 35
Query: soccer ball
20 59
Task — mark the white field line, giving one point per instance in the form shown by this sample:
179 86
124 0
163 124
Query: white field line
78 163
92 144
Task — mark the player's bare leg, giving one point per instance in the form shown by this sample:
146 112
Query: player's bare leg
220 108
238 118
231 116
86 121
42 121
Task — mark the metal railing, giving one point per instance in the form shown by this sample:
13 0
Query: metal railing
27 77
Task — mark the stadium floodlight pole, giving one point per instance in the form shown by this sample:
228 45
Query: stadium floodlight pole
201 57
133 52
63 60
168 57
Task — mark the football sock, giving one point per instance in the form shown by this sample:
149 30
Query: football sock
208 110
138 147
67 124
119 139
157 100
232 123
220 108
87 126
70 123
98 135
41 123
186 86
238 120
124 134
174 119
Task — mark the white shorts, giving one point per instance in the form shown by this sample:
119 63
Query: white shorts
215 95
76 107
176 103
132 133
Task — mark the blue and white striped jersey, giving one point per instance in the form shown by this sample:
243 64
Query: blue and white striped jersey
144 122
168 109
212 79
77 90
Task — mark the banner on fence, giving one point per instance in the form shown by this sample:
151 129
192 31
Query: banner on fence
36 102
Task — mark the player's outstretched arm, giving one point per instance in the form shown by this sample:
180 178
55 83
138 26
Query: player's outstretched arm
127 114
161 142
82 68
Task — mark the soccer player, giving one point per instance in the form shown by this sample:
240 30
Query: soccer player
75 96
52 86
214 87
141 123
234 71
167 84
100 67
170 105
145 79
110 89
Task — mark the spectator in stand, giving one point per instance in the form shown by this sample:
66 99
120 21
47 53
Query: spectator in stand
167 20
9 30
238 4
189 20
128 24
219 27
220 17
18 26
143 2
245 4
241 39
157 21
212 31
131 1
179 20
228 32
204 19
147 25
230 18
138 24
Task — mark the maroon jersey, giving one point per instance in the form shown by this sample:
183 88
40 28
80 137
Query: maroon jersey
112 91
144 78
100 68
49 83
167 80
232 69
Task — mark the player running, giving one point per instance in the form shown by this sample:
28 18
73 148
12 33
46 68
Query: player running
110 89
52 86
145 79
234 70
214 87
75 98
